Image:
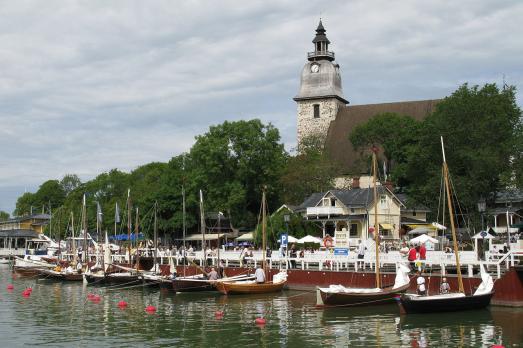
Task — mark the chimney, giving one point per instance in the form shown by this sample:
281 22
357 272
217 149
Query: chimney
356 182
388 184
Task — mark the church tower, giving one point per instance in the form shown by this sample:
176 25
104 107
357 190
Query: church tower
320 95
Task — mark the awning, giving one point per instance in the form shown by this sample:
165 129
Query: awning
210 236
246 237
386 226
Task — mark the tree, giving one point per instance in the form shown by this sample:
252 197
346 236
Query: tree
232 162
24 204
397 135
69 182
482 130
50 192
311 170
4 215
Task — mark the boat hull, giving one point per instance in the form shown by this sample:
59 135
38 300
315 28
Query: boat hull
50 274
470 302
237 288
183 284
386 296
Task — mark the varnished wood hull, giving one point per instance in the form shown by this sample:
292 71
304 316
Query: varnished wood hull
386 296
187 284
26 271
236 288
50 274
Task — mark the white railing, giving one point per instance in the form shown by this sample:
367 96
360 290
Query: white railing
316 211
501 229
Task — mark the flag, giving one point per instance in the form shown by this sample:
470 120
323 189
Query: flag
117 214
99 214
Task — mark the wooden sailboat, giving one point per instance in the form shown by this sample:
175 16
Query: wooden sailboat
229 287
339 295
413 303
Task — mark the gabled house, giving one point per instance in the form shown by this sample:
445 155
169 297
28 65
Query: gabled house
508 207
352 211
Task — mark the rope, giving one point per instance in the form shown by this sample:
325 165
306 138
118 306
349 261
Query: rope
358 303
135 286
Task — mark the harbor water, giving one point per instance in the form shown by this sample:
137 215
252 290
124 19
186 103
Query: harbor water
59 314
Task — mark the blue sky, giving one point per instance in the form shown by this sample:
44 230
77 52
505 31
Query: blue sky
87 86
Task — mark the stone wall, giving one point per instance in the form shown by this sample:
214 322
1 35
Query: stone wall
308 125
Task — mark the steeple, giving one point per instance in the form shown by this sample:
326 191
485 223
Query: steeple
321 46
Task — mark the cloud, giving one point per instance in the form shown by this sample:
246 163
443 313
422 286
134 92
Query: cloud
87 86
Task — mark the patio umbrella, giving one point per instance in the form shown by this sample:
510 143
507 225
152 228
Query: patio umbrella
309 239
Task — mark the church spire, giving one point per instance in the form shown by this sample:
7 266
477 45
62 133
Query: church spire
321 46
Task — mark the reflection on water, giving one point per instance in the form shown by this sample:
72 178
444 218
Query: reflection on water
59 314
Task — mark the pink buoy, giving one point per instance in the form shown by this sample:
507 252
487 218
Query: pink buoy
122 304
10 286
497 346
218 314
29 290
260 321
150 309
26 293
90 296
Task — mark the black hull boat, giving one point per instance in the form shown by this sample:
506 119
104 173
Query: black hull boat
194 283
62 275
443 303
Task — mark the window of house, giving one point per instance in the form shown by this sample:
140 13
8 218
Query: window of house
414 213
383 200
333 202
316 110
352 210
353 230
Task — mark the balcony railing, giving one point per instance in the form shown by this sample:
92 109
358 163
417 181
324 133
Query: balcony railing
317 211
320 54
503 229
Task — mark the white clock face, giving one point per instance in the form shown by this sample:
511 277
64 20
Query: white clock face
315 68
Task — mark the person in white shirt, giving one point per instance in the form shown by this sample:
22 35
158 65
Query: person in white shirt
420 281
361 254
260 275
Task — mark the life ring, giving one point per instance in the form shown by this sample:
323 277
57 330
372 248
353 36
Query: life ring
327 241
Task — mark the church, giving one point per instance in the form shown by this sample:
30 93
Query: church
325 112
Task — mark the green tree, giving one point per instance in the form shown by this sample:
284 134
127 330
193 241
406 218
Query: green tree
482 130
232 162
69 182
25 204
311 170
397 136
4 215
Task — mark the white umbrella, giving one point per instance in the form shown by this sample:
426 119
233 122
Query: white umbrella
423 239
310 239
419 230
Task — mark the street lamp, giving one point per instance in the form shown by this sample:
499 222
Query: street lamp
482 207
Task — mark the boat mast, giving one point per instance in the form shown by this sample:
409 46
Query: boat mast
376 226
202 226
72 239
129 224
155 234
136 230
264 235
84 226
451 218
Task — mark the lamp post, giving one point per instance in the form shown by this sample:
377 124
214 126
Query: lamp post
482 207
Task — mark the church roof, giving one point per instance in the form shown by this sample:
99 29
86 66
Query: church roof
348 117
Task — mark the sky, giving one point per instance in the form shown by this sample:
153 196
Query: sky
87 86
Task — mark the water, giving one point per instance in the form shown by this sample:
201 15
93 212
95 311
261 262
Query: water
59 315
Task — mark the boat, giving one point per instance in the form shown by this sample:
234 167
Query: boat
459 301
338 295
279 280
61 274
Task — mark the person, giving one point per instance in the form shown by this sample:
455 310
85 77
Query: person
361 254
268 252
69 269
444 288
412 255
420 281
422 252
243 255
79 267
292 256
404 249
302 253
221 267
212 275
260 275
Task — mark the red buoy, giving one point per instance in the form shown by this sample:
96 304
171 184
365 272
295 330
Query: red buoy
260 321
26 293
96 298
122 304
497 346
29 290
150 309
90 296
10 286
218 314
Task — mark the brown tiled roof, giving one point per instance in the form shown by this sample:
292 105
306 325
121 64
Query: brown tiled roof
338 143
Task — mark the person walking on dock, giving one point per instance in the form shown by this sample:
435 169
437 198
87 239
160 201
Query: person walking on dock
361 255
